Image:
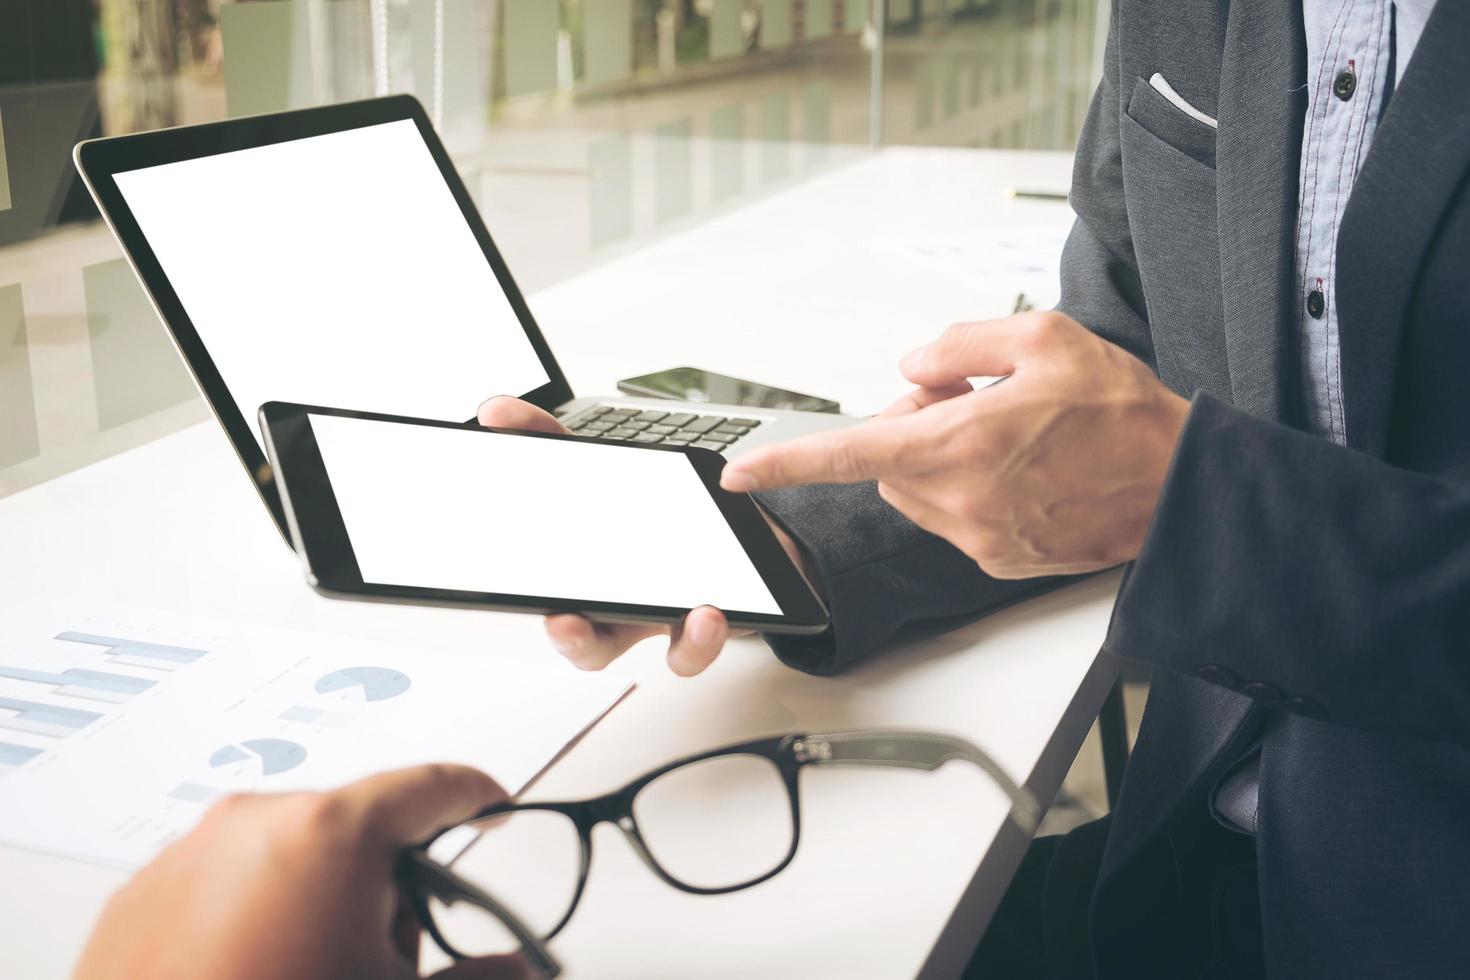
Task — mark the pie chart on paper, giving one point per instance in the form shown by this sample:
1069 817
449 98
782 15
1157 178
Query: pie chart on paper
377 683
273 755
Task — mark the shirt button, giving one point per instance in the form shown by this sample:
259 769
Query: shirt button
1316 303
1345 84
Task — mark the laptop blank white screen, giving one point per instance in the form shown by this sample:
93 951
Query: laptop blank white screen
335 270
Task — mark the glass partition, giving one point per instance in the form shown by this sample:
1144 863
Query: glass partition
583 128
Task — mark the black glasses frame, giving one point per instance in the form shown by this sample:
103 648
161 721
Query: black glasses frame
422 878
789 754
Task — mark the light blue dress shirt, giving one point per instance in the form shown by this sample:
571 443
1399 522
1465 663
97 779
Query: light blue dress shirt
1356 54
1351 47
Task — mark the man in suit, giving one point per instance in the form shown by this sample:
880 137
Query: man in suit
1278 227
1253 389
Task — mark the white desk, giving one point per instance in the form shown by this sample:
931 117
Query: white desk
786 291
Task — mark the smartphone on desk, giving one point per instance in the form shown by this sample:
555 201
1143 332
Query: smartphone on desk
388 508
697 385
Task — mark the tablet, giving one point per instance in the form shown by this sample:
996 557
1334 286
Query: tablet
409 510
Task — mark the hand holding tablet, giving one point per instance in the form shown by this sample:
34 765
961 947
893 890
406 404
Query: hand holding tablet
693 644
389 508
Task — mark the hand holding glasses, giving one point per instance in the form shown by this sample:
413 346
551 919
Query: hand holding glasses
708 824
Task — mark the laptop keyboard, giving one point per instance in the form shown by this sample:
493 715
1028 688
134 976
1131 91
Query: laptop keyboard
716 432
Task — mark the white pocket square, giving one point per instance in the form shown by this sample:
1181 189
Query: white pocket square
1162 86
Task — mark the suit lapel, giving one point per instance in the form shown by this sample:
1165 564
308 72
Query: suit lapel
1262 105
1418 159
1195 728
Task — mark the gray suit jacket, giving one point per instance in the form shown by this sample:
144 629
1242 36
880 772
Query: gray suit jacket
1323 587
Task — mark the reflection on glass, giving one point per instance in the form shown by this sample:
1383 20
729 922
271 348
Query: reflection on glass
41 126
975 73
775 136
818 113
673 171
4 169
530 46
610 196
267 64
924 95
18 437
775 24
135 369
450 42
818 19
726 35
950 87
444 60
727 153
607 32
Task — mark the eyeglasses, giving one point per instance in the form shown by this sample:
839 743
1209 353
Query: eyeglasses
707 824
430 885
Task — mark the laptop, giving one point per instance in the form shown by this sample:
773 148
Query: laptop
332 256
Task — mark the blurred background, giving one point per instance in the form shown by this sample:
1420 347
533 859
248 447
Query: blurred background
583 128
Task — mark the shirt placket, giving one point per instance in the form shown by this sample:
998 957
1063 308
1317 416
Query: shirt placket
1344 86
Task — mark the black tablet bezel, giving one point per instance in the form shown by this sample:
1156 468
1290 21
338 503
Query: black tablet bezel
321 538
99 161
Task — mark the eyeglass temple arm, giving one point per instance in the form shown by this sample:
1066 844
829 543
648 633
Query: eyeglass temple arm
431 877
913 750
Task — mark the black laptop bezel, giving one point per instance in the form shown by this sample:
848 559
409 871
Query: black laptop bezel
325 546
99 161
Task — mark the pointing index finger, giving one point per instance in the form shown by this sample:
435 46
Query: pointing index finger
851 455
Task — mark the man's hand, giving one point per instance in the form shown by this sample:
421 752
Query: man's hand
693 645
1057 470
293 887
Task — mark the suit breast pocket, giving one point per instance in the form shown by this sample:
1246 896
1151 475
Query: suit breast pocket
1169 187
1168 124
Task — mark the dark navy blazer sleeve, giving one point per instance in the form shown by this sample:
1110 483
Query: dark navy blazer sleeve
1318 578
879 573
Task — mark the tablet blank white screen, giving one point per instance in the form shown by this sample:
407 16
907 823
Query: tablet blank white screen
484 512
335 270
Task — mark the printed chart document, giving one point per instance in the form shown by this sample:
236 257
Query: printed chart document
118 725
1023 260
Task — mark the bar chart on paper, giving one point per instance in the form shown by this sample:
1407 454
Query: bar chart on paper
16 755
73 683
43 719
94 685
138 653
119 726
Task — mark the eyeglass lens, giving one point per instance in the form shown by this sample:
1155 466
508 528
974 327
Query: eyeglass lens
717 823
531 859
